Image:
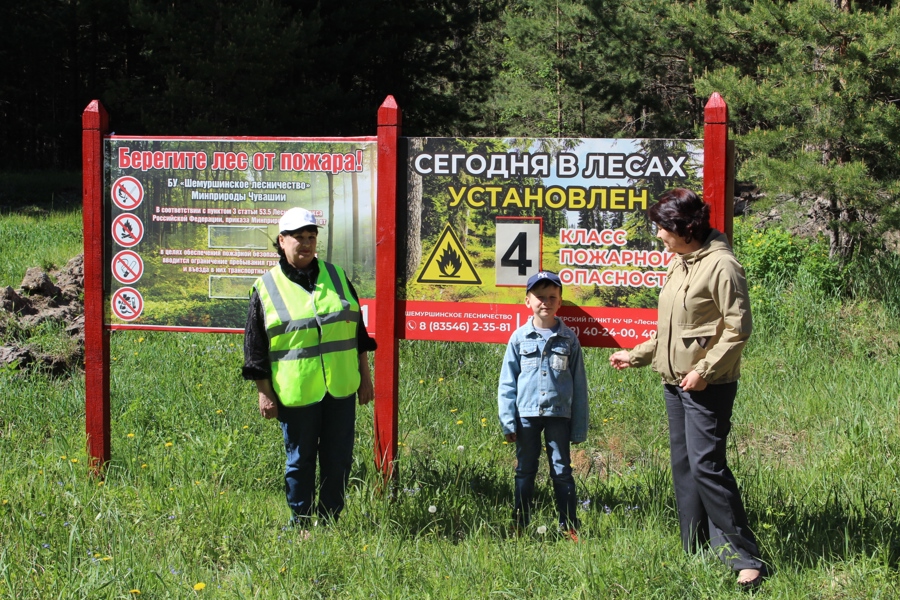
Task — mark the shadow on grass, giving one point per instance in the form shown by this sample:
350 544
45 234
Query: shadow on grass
453 499
807 530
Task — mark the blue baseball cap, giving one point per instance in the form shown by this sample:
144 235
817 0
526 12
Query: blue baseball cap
540 276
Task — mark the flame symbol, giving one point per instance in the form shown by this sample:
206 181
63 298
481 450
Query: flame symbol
450 262
128 229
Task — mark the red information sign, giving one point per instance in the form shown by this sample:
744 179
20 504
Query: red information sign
494 323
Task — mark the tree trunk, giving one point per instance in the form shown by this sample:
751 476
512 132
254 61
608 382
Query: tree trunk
330 245
354 187
413 213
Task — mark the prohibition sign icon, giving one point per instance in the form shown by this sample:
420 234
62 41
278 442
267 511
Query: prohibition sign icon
127 267
127 303
127 193
127 230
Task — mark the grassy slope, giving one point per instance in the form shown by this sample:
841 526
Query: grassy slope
194 492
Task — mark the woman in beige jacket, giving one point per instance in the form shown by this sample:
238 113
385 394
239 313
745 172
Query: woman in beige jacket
703 323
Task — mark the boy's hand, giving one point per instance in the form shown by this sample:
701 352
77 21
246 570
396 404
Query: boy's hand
510 437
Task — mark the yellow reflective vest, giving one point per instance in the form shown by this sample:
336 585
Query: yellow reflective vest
312 336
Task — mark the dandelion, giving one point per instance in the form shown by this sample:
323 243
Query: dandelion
140 340
199 587
460 448
459 422
106 558
542 529
245 427
101 483
64 457
421 381
440 379
365 547
199 385
432 509
453 410
135 353
282 570
74 460
4 501
144 466
220 411
169 444
135 592
130 435
505 443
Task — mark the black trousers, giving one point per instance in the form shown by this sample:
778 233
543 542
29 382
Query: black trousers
709 503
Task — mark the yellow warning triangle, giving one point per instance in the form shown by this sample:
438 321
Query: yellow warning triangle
449 264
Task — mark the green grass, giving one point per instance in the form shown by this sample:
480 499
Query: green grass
37 239
194 490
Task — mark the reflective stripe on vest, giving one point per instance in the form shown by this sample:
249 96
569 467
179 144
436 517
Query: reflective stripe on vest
312 336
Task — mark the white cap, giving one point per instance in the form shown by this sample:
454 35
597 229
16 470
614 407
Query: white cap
295 219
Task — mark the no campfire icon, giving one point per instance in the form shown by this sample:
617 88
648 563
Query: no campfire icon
127 230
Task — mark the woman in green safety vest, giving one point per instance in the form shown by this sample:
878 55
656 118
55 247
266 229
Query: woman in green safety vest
306 347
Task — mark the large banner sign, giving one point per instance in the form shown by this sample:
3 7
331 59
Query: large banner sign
483 215
193 222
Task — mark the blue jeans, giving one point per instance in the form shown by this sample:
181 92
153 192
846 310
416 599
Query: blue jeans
557 433
323 431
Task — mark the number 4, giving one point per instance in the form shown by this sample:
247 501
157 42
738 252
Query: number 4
522 261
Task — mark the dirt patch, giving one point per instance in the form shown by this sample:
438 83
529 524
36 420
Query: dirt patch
44 299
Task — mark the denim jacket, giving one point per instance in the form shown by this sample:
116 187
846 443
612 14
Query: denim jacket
543 379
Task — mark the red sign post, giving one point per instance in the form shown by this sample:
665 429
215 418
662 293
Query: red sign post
387 358
95 124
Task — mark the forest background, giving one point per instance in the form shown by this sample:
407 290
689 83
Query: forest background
812 85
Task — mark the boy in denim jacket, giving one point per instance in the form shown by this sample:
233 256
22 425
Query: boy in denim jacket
543 388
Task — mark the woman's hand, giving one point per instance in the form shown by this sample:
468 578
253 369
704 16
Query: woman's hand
268 404
692 382
366 391
620 360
